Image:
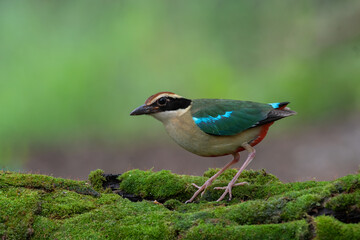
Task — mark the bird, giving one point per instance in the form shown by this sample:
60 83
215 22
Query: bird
214 127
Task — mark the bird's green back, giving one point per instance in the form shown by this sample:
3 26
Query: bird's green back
224 117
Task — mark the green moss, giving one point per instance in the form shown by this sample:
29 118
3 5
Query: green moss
298 207
253 177
160 186
348 183
164 185
252 212
63 204
96 179
172 204
17 208
120 220
43 207
43 182
330 228
345 202
212 230
45 227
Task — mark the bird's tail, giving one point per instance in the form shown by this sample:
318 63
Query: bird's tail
285 111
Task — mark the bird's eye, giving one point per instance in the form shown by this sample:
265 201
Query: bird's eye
162 101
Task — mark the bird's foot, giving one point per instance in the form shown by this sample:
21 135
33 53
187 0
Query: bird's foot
201 189
228 189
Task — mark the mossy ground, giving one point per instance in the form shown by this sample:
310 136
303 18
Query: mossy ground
43 207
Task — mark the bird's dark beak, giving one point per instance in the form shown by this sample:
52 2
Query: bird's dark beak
145 109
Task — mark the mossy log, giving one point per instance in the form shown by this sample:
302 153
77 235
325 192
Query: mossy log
150 205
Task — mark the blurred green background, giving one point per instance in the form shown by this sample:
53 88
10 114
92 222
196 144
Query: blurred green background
71 71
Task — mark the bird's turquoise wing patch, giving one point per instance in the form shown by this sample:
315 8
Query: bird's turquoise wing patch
211 119
227 117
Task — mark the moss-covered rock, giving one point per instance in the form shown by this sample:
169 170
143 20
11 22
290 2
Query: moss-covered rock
97 179
330 228
43 207
160 186
213 230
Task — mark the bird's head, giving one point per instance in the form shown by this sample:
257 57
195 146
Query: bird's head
163 106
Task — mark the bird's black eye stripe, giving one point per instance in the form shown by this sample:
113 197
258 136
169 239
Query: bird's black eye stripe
162 101
171 104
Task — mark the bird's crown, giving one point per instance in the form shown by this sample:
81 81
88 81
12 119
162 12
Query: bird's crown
165 95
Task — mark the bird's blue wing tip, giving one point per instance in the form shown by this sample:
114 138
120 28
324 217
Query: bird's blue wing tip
274 105
279 105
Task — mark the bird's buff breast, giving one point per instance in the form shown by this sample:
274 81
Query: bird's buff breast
189 136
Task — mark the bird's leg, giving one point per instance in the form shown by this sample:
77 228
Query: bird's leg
232 183
210 180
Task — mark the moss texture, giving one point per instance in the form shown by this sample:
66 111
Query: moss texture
97 179
43 207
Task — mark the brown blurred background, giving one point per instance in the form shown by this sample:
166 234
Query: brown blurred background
71 72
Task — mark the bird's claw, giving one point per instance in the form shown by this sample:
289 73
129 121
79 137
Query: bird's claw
195 185
201 190
241 183
236 184
228 189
